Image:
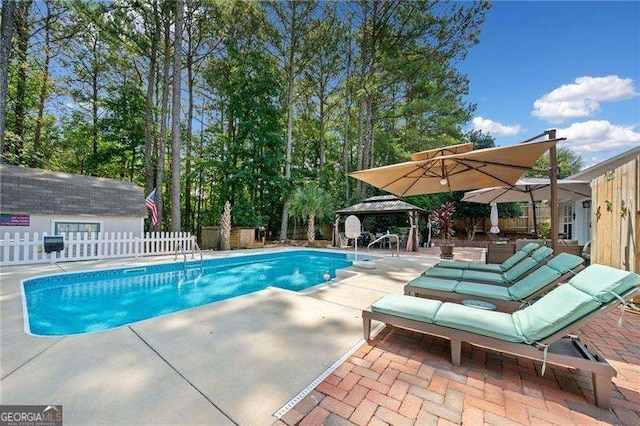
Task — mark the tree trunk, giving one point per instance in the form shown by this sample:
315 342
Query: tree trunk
290 67
94 97
364 49
200 187
43 88
162 143
311 228
322 100
175 121
225 227
187 184
287 167
23 29
346 148
149 125
6 33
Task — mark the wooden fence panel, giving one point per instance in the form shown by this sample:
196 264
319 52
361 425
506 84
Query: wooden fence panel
615 217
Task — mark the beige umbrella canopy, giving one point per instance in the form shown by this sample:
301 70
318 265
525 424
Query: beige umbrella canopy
456 172
439 152
529 189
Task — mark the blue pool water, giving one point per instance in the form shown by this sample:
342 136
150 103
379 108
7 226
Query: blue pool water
99 300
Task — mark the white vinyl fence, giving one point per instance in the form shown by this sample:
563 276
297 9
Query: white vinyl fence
25 248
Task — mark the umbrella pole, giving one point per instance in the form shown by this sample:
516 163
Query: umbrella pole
553 176
535 217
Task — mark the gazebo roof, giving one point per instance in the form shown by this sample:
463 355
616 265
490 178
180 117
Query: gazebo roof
382 204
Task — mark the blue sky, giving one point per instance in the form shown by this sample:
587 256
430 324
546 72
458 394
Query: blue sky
574 66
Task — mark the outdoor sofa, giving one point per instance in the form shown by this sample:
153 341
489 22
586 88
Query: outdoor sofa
491 267
525 266
541 331
557 270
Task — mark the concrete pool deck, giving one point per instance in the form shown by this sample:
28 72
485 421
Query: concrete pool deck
234 361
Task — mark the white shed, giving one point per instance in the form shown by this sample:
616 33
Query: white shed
43 201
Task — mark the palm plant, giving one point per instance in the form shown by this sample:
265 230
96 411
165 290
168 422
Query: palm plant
310 202
225 227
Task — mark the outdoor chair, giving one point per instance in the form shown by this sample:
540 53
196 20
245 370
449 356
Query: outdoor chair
557 270
344 241
536 332
495 268
524 267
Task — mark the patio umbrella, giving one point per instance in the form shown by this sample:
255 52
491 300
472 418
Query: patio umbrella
530 190
439 152
466 170
494 219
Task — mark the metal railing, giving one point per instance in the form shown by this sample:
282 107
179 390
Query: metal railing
389 236
194 248
180 249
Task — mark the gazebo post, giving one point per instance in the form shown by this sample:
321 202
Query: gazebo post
336 231
553 176
412 238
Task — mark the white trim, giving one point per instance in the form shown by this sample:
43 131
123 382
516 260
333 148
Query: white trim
306 391
72 220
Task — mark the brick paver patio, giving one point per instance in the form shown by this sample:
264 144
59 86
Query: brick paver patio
405 378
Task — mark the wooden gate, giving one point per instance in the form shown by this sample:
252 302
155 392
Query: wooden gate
615 217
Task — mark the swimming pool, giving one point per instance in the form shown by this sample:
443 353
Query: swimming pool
83 302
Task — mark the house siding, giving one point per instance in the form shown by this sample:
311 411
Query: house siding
41 223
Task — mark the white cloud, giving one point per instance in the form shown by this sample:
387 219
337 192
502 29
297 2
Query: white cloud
599 136
582 98
495 128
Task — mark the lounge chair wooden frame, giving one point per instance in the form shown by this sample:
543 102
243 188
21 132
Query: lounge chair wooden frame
439 264
564 350
502 305
529 272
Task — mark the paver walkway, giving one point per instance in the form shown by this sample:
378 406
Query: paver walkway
405 378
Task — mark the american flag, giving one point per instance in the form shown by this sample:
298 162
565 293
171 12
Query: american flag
150 202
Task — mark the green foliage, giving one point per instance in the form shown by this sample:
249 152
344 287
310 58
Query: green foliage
249 170
481 140
310 200
509 210
569 163
402 92
544 229
122 130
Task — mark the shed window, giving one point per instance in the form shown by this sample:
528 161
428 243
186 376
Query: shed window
85 227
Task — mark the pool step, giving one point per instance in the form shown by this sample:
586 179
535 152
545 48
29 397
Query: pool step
134 270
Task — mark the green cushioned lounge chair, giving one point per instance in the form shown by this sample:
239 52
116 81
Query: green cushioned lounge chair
536 332
491 267
557 270
524 267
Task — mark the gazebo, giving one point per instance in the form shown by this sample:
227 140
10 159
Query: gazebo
382 205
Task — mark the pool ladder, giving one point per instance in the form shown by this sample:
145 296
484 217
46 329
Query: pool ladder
180 249
389 236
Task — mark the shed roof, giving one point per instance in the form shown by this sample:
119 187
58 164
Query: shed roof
36 191
602 167
381 204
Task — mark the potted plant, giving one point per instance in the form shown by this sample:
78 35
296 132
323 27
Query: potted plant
442 220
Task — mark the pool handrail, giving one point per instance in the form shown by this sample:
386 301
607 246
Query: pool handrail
387 235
